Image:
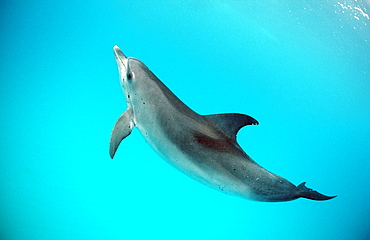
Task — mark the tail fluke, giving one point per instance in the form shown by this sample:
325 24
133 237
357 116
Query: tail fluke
306 192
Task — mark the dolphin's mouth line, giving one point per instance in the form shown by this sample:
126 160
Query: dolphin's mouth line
120 57
122 62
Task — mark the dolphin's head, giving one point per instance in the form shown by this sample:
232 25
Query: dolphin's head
122 64
132 73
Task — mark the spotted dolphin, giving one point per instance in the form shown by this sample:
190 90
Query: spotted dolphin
201 146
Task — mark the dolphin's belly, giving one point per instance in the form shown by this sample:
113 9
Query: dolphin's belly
192 145
177 144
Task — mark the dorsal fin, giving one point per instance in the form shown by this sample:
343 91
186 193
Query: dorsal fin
231 123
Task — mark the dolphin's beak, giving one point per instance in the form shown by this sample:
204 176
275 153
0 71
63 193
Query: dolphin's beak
121 60
120 57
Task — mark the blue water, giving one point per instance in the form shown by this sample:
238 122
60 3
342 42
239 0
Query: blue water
301 68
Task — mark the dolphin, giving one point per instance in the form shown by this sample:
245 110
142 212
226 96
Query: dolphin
201 146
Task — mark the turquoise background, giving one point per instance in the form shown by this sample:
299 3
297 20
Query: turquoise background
301 68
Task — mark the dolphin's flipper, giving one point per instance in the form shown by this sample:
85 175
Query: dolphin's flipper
311 194
121 129
231 123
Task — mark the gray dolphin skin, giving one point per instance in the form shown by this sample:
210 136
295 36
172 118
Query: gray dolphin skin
201 146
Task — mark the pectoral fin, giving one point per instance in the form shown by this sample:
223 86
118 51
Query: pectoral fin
121 130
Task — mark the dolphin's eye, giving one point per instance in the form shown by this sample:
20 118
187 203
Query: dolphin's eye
129 76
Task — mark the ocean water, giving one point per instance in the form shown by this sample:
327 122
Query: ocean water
301 68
